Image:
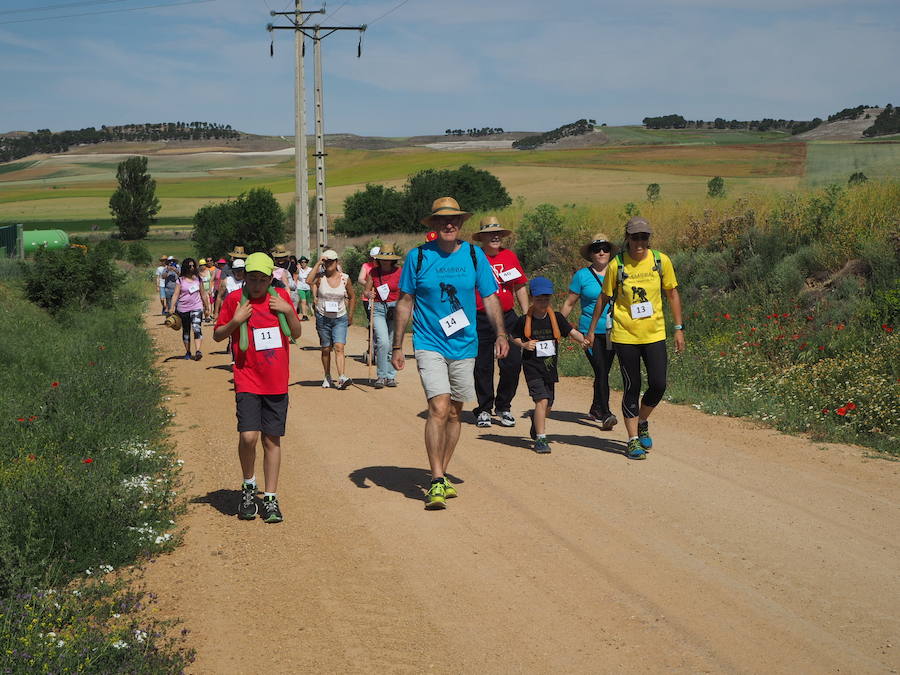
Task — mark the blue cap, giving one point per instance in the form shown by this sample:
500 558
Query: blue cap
541 286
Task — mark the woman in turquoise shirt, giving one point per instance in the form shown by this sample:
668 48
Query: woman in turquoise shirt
585 287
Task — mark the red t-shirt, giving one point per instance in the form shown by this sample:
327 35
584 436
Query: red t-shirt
263 372
392 279
502 264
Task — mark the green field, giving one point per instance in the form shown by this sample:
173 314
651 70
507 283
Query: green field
635 135
826 160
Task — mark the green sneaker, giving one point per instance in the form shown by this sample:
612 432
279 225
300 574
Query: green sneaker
644 435
247 508
635 450
436 497
271 512
541 446
449 490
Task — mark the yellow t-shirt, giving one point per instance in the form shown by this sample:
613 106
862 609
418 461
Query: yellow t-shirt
641 284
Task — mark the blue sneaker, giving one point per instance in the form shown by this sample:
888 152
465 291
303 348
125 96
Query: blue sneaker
634 450
644 435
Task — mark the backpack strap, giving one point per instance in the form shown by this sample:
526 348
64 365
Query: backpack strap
421 255
657 265
554 324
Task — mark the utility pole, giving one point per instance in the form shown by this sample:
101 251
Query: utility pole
301 181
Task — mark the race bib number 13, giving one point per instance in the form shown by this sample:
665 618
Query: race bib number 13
454 322
642 310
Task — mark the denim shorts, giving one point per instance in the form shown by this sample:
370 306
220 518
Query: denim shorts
332 330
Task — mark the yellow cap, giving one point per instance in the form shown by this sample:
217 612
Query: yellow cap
259 262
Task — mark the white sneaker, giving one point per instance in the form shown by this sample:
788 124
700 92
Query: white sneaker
326 383
507 419
484 420
344 382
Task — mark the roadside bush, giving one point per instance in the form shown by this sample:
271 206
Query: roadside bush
716 187
539 228
111 248
375 209
253 220
71 278
138 254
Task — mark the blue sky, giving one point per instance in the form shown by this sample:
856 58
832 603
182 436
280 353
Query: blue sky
433 64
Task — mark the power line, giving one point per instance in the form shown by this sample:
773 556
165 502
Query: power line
47 8
343 4
390 11
109 11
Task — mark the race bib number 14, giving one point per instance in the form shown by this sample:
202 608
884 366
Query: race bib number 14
454 322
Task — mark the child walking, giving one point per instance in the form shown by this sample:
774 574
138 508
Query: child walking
538 333
261 365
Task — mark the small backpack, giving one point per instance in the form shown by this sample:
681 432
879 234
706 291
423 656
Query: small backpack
553 323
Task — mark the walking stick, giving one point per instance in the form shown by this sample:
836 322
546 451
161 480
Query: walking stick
371 341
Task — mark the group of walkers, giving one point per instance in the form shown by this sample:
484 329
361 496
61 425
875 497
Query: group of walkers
461 300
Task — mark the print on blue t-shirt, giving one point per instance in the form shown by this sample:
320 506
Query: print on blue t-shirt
584 284
445 284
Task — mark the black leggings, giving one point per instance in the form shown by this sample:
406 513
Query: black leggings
189 320
654 356
601 360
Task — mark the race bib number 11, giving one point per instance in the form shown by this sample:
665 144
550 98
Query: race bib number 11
454 322
266 338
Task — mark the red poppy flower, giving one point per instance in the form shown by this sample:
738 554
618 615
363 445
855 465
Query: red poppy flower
888 329
841 411
821 348
851 406
809 318
101 347
727 316
87 460
753 329
32 418
795 336
21 419
840 326
31 457
803 345
54 384
825 411
785 315
721 353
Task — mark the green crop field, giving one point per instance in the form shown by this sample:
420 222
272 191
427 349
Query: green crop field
835 162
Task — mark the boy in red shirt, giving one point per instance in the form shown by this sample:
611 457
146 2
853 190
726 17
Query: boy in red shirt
260 377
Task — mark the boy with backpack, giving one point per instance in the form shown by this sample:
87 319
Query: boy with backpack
261 318
538 333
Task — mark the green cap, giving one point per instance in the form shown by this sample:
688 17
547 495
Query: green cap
259 262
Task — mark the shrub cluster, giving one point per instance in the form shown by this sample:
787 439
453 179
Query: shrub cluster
89 484
72 278
254 220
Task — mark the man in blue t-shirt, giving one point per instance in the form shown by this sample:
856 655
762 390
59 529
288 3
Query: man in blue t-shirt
437 287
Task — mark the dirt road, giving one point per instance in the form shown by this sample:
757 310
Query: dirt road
733 548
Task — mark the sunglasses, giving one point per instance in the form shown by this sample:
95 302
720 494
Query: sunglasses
639 236
600 247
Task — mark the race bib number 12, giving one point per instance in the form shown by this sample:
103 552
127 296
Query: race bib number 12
454 322
545 348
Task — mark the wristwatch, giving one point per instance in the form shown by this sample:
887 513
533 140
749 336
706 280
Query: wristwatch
678 326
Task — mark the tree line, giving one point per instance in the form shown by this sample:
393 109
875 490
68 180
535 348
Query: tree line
483 131
887 122
582 126
46 141
765 124
384 209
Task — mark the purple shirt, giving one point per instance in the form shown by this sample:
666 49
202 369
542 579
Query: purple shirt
189 298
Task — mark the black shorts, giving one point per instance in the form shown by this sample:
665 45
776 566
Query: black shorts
262 412
539 389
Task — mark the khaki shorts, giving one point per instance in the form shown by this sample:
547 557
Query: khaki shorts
441 375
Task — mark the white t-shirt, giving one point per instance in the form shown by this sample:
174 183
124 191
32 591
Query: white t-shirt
161 276
232 284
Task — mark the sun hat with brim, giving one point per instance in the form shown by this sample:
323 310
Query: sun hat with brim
280 251
445 206
163 258
330 255
490 225
221 261
599 238
259 262
637 225
173 321
388 253
238 252
541 286
238 264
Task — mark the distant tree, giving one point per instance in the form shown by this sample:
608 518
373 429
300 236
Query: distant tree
857 178
653 192
134 204
716 187
375 209
254 220
474 189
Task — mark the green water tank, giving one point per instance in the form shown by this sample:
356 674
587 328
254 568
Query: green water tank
52 239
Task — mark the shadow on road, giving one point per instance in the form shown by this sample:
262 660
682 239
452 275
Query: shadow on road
590 442
227 369
514 441
408 481
223 501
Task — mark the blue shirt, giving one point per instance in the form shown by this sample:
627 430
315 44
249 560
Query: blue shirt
445 284
584 284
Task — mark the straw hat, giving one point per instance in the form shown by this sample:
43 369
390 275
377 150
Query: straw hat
238 252
173 321
490 225
280 251
598 237
445 206
388 253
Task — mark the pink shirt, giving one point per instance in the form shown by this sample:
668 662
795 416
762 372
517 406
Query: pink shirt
189 299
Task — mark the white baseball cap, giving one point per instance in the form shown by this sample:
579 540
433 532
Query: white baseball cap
238 264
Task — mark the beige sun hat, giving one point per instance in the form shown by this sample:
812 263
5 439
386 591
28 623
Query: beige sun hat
238 252
173 321
279 251
599 237
388 253
490 225
445 206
